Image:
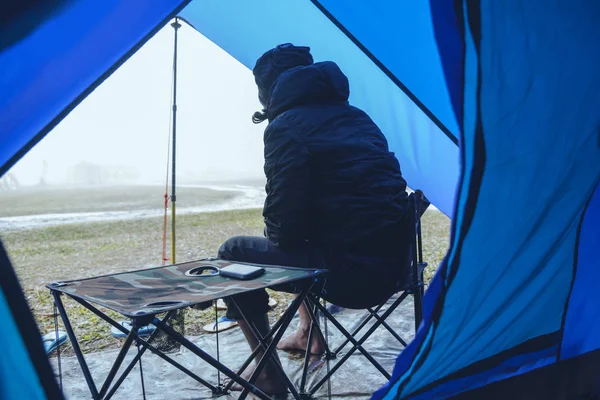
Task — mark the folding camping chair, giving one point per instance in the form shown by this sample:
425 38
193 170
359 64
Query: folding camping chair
414 285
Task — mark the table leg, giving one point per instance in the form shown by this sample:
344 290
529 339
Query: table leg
147 345
120 357
263 343
207 357
287 316
84 367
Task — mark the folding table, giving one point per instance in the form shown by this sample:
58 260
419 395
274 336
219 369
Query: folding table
144 294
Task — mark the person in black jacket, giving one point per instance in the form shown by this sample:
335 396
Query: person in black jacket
336 198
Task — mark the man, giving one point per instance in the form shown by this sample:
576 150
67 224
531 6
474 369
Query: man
336 198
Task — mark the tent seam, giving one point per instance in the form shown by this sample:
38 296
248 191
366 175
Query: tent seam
459 11
387 72
476 177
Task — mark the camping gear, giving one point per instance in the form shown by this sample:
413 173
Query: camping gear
142 295
220 325
413 285
51 342
221 306
143 331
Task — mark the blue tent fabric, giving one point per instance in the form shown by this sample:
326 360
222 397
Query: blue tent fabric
25 372
93 38
48 72
429 158
449 38
15 362
526 142
581 332
512 309
20 19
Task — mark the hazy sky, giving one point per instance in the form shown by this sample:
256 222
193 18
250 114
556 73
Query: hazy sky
126 119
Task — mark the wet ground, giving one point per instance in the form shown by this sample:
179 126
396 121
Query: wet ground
234 197
356 379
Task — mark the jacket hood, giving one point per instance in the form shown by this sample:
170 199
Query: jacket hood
317 83
276 61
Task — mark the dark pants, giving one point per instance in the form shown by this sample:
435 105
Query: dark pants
355 279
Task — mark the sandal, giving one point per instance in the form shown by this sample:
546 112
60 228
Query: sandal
222 306
144 331
221 325
50 342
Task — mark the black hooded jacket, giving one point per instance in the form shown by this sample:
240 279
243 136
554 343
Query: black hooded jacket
331 179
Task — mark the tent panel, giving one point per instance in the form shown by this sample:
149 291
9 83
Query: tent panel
519 271
51 69
511 367
447 24
404 362
19 19
401 35
582 324
424 339
18 378
573 378
417 348
468 151
509 270
245 30
25 372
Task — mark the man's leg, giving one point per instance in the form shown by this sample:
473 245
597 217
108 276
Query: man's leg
254 305
252 250
298 341
260 251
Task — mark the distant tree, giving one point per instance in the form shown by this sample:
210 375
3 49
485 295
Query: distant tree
44 173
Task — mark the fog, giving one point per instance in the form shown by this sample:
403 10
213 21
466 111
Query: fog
121 130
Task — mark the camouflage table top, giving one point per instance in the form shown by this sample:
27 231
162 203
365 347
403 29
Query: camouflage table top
155 290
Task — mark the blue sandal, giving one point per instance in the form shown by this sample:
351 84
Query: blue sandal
144 331
222 323
50 342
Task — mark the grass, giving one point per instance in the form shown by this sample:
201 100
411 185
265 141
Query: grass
44 255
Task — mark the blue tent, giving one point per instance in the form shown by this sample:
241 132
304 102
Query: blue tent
513 307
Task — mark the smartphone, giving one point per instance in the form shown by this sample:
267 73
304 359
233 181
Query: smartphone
240 271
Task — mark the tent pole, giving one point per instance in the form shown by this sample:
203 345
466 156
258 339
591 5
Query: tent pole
176 25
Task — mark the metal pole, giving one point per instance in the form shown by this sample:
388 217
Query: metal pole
176 25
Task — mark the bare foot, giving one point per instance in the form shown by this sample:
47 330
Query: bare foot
297 343
271 383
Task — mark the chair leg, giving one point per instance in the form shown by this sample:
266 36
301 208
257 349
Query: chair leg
418 310
362 324
420 265
389 328
357 343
